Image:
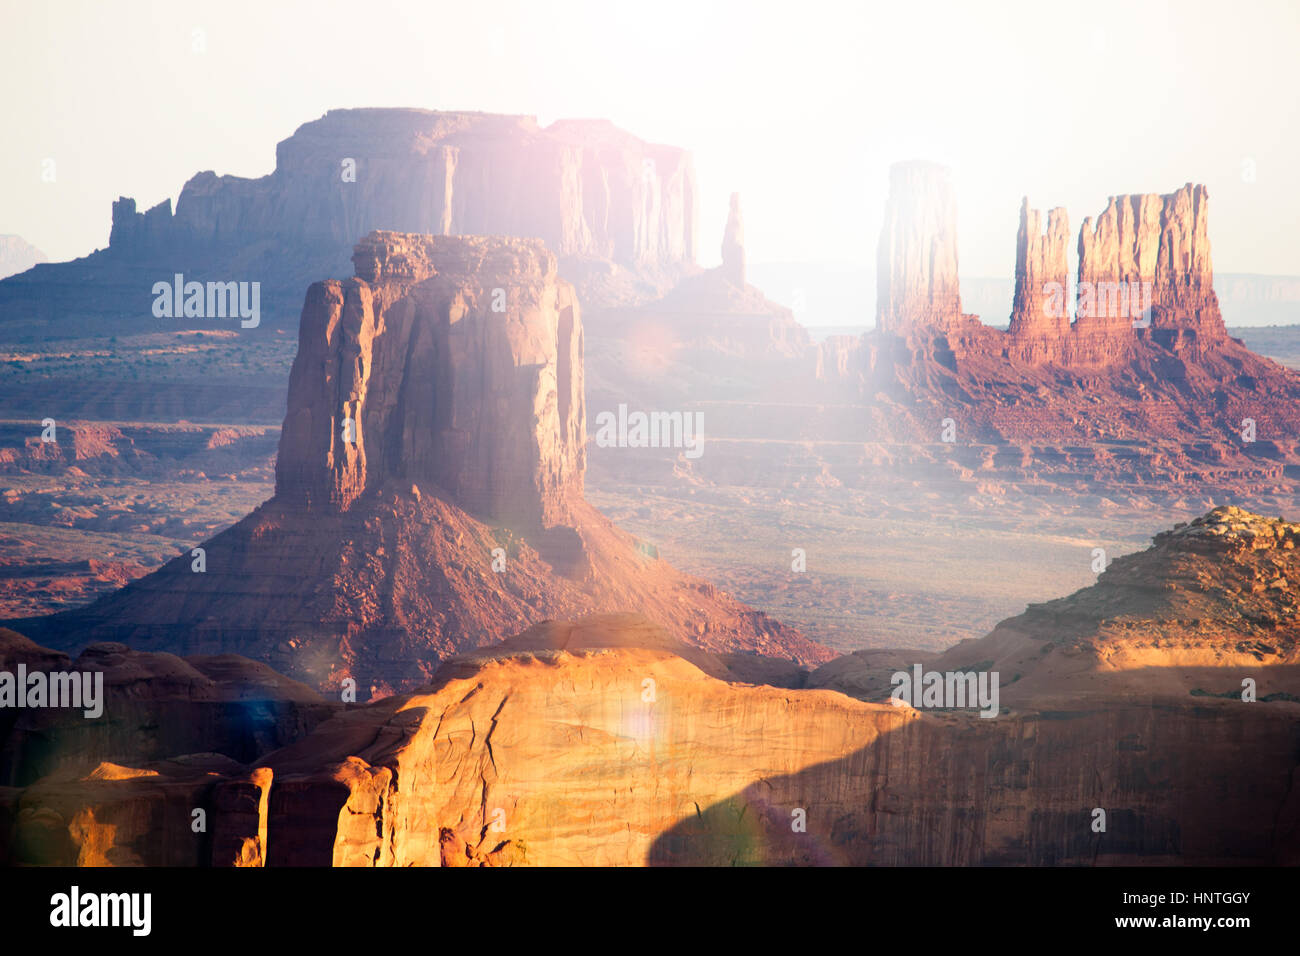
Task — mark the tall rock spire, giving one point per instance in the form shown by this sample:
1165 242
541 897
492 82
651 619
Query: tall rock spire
733 245
1042 275
916 261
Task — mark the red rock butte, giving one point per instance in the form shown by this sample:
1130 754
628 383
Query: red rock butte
618 212
1157 246
429 490
584 187
1145 357
453 362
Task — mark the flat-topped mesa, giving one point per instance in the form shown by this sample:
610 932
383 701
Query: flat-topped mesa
454 362
1148 258
1040 308
585 187
916 261
733 245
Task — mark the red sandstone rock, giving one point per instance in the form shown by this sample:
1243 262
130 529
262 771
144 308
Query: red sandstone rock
1156 241
619 213
1042 279
1109 375
584 187
458 362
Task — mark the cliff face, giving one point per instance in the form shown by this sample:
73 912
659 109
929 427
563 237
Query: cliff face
1144 277
606 742
1133 351
1157 241
455 362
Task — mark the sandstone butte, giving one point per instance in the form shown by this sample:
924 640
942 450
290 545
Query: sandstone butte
607 742
436 425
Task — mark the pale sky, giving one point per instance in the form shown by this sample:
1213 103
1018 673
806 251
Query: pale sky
800 106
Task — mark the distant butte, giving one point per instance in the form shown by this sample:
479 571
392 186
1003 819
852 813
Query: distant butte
619 213
1068 367
1120 380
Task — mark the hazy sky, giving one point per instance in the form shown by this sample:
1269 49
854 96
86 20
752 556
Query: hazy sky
800 106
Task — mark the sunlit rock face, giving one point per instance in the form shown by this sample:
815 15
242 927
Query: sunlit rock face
1040 309
1125 733
1144 278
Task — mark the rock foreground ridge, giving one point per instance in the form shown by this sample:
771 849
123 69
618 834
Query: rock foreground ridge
547 750
1211 602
